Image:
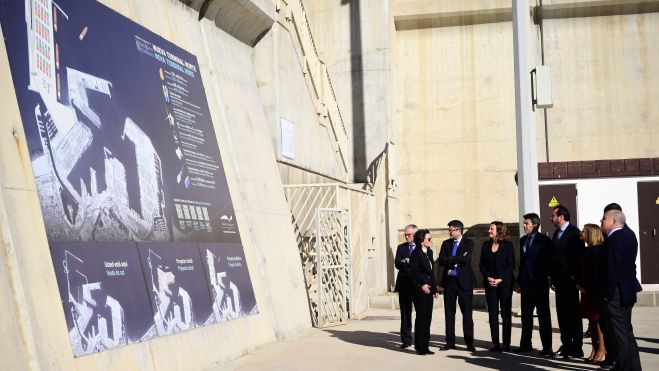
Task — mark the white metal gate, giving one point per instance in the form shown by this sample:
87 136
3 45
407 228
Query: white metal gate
334 264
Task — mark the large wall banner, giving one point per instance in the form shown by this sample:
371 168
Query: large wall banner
139 219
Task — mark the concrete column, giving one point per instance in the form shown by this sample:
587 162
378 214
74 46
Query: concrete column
527 164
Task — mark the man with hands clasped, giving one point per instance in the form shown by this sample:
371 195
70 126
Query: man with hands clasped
404 284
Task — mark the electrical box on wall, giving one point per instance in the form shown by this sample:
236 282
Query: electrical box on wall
542 84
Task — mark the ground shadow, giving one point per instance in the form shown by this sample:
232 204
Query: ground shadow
481 357
386 340
648 350
649 340
504 361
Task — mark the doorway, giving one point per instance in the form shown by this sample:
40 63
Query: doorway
552 195
648 223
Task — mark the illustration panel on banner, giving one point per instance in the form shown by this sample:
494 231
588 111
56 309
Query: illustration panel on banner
177 286
103 295
118 127
232 294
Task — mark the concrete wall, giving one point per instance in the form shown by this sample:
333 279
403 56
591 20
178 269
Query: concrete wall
285 94
455 98
354 39
606 85
456 115
34 327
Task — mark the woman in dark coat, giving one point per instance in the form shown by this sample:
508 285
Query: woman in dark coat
589 262
425 289
497 265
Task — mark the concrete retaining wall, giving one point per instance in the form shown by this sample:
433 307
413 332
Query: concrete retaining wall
33 326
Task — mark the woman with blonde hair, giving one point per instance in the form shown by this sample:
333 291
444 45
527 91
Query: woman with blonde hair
589 307
497 265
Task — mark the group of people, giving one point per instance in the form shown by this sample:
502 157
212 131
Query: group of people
592 272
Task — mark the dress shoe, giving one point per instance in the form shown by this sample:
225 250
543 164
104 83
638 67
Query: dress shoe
526 349
576 354
405 345
505 348
546 352
561 352
428 351
447 347
495 348
607 366
470 348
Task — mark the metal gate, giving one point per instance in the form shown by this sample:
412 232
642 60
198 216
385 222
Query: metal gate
334 264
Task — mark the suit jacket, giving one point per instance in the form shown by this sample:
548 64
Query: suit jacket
619 253
566 253
421 266
466 278
404 277
535 262
505 262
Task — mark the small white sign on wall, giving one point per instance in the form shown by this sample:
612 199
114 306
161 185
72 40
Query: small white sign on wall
287 139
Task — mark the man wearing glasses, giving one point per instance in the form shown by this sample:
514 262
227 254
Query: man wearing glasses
458 282
404 285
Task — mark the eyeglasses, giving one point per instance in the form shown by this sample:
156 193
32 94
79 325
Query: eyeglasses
429 239
409 234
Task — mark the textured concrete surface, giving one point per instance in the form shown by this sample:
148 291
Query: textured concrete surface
372 343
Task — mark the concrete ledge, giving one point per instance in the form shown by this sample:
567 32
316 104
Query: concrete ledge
246 20
420 14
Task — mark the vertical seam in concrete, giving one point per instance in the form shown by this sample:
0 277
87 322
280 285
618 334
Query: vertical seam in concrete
18 291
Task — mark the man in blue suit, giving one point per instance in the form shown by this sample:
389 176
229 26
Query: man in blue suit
618 289
404 284
534 271
458 282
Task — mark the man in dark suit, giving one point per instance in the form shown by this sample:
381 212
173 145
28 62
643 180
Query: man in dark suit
404 285
534 267
618 288
567 249
458 282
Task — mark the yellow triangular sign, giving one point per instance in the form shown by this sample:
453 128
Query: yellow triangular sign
554 202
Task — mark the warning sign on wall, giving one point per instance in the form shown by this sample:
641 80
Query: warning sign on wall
554 202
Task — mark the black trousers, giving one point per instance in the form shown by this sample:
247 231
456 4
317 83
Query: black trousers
536 296
465 298
499 297
569 319
405 298
617 320
423 308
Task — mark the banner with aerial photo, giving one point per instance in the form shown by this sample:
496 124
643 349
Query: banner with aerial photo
123 149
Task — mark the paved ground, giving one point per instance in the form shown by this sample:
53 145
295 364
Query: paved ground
372 343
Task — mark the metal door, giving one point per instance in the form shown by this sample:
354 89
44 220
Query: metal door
334 262
552 195
648 223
